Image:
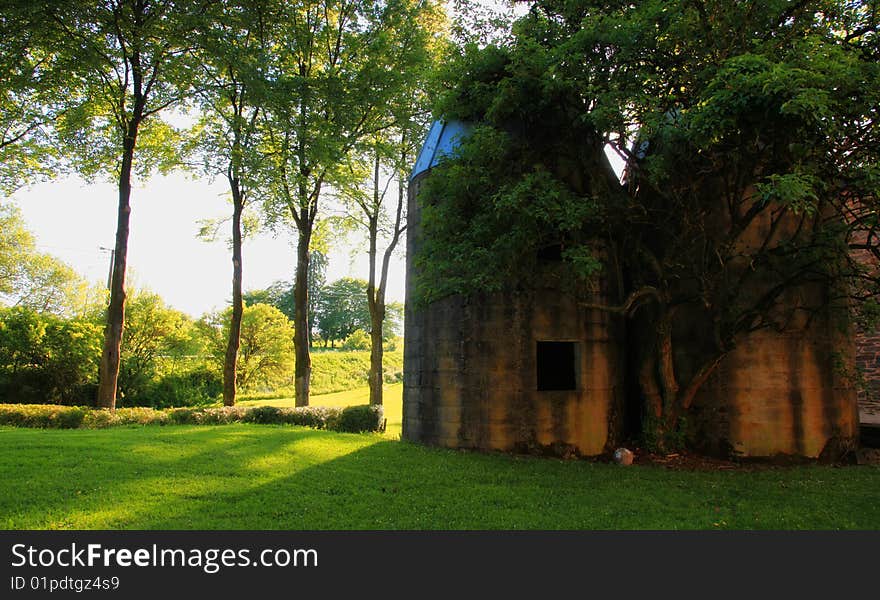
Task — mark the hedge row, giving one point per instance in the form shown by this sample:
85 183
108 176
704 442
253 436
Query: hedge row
352 419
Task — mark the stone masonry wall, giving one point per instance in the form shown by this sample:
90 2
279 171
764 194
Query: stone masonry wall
868 365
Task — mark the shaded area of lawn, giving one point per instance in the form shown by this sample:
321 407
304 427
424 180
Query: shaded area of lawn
276 477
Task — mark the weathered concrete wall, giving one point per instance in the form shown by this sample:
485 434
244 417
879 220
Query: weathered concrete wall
780 393
470 370
787 389
470 375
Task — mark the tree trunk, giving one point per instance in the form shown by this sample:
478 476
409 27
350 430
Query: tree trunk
231 361
668 379
303 373
108 371
377 317
648 384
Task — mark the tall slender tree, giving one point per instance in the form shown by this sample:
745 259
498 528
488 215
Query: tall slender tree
130 57
390 158
231 51
385 159
336 65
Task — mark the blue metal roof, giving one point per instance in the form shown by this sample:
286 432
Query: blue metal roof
442 140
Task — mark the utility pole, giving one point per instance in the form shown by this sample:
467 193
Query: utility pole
112 252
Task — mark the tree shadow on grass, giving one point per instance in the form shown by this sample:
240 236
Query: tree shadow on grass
69 479
264 477
398 485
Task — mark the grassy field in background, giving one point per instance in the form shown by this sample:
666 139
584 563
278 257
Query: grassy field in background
337 371
282 477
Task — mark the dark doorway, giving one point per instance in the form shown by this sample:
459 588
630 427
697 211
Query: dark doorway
557 366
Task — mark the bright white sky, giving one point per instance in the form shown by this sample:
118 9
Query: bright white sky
73 220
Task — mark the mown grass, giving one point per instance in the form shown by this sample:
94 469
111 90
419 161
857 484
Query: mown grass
281 477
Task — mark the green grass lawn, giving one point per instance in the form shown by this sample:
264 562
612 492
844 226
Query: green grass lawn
281 477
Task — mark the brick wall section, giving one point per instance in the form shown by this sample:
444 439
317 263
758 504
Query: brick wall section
867 348
868 364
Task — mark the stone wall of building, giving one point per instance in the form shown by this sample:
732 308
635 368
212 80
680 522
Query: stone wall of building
786 388
780 394
868 365
472 371
471 367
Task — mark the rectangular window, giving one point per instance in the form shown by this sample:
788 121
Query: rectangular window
557 366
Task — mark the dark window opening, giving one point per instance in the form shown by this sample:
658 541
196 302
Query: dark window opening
553 252
557 366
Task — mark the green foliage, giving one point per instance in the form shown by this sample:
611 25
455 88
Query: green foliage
102 418
33 90
266 351
266 354
280 294
657 438
156 343
35 280
358 340
47 359
353 419
117 89
488 213
357 419
40 416
343 309
263 415
191 388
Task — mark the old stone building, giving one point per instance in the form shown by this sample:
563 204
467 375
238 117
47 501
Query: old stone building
536 368
507 371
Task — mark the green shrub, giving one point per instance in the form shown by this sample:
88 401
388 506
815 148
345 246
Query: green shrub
318 417
357 419
45 359
358 340
220 415
264 415
352 419
101 418
194 388
140 416
42 416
